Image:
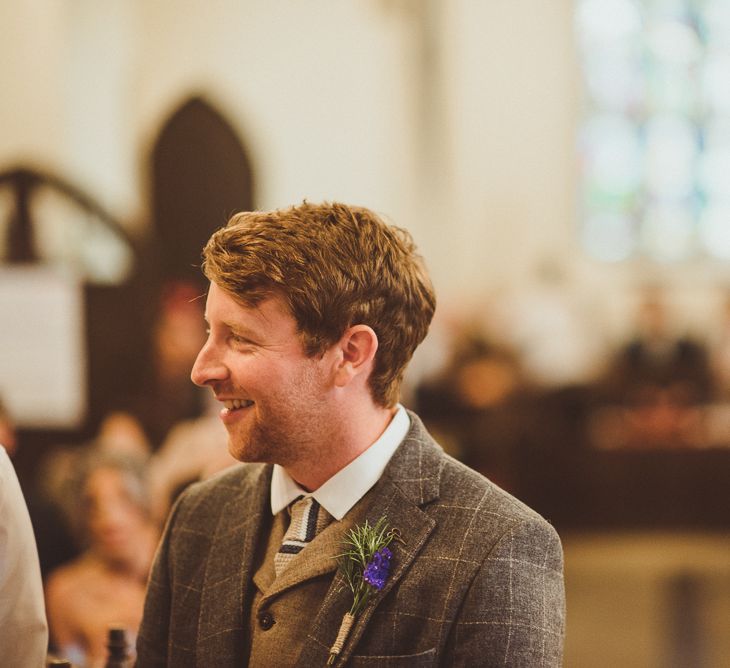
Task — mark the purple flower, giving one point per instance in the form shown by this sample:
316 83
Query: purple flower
377 570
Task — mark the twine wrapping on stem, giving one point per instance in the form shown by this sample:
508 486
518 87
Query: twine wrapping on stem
347 621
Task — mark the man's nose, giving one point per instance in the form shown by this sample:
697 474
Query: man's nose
208 367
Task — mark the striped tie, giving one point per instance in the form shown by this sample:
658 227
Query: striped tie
308 518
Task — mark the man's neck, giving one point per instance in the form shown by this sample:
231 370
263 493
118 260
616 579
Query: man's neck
354 434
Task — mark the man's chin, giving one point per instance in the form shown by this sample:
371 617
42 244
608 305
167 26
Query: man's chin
246 452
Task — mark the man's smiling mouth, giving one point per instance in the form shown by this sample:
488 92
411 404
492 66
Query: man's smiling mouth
235 404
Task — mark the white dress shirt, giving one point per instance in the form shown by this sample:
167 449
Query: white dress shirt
23 627
344 489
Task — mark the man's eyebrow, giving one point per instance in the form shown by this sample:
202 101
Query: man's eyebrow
239 328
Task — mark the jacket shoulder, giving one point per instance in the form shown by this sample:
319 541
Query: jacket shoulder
209 496
469 487
464 498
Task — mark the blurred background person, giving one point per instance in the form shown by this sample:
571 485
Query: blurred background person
108 505
23 627
52 536
476 405
121 433
662 378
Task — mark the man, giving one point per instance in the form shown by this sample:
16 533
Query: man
313 314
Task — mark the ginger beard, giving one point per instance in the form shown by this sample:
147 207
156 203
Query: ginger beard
285 427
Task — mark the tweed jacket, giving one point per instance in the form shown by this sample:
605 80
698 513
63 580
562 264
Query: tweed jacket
476 581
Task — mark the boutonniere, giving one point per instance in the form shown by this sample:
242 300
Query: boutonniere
365 565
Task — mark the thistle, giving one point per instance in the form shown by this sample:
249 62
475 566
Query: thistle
365 565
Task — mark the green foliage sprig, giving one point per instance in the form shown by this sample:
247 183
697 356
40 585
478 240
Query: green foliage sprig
363 543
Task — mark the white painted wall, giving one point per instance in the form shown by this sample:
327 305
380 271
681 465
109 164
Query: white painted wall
317 90
31 81
330 97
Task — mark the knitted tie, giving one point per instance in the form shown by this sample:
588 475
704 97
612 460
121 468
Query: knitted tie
308 518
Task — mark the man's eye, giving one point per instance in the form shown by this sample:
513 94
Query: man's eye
240 340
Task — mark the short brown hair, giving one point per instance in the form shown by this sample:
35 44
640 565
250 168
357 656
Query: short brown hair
336 266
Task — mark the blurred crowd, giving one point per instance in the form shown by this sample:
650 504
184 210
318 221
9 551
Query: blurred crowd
661 388
594 434
510 406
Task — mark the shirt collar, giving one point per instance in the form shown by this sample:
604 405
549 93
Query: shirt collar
344 489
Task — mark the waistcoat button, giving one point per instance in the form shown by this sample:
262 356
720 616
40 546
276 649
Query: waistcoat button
266 620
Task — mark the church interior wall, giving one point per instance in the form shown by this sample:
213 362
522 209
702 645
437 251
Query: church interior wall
476 155
457 120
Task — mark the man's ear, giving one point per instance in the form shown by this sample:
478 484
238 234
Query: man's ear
357 347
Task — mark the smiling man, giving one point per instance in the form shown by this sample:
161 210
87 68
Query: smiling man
314 313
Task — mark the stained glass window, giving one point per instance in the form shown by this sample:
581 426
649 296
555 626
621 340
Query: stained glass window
654 142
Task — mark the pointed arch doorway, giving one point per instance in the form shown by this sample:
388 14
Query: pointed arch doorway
201 174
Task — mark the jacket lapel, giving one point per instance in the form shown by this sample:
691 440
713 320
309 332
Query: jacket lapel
411 480
230 557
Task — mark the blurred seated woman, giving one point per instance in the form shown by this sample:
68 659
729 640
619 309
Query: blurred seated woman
105 586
